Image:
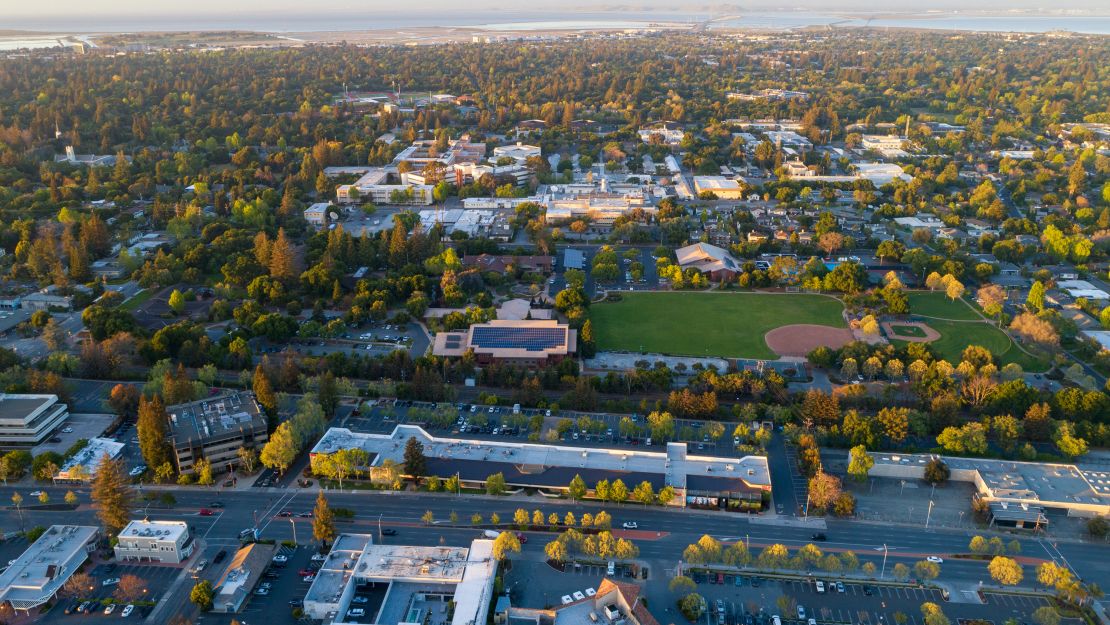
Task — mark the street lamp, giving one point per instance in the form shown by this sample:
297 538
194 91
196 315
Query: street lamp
882 573
929 515
294 530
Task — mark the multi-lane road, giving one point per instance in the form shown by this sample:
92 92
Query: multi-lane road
661 536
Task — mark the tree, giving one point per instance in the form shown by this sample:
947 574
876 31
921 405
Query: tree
202 468
556 551
644 493
991 298
54 335
901 572
177 302
681 584
1035 300
495 484
823 489
44 497
428 517
1035 329
282 257
202 595
895 424
78 585
323 520
1005 571
111 492
520 518
692 606
505 543
978 545
1046 615
577 488
666 495
248 459
618 492
416 463
281 449
926 570
71 498
153 431
936 471
130 589
264 391
860 462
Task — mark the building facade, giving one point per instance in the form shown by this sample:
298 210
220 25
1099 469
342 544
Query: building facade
155 541
27 420
37 575
215 429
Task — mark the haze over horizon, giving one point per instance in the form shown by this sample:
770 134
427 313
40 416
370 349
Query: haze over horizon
127 11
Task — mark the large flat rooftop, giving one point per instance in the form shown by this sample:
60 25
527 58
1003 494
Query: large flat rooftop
18 407
538 464
46 565
1022 481
215 416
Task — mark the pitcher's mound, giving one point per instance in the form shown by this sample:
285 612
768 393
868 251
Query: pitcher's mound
801 339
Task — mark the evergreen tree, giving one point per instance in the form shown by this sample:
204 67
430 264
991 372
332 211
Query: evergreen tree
416 464
283 257
323 520
112 495
264 392
153 431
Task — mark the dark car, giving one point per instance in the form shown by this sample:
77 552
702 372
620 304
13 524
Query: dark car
389 532
219 557
285 513
867 590
216 504
819 536
296 602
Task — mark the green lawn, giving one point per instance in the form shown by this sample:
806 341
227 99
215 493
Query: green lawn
137 300
700 324
955 336
936 304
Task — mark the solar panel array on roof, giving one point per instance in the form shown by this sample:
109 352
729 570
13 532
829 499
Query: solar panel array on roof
528 339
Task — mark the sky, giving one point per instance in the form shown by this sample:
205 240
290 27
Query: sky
147 8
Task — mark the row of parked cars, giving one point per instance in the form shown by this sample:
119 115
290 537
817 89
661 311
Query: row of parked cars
88 607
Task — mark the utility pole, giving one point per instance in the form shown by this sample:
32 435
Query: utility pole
380 527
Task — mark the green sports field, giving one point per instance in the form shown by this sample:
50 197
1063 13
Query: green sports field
700 324
955 336
936 304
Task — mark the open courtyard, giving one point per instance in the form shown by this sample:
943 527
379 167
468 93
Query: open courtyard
731 325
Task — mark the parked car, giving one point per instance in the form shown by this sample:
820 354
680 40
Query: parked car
935 559
127 610
220 556
630 525
389 531
801 612
296 603
111 581
262 592
360 600
840 587
310 578
108 609
281 559
206 512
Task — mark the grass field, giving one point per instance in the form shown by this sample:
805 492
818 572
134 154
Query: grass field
956 336
904 330
936 304
706 324
137 300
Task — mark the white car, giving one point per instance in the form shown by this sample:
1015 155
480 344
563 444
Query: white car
319 557
67 430
137 471
111 608
262 592
280 559
111 581
36 493
630 525
935 559
309 578
127 610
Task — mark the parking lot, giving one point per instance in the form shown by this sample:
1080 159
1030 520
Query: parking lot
286 585
490 422
156 577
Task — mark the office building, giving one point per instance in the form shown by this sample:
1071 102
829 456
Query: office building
155 541
27 420
241 576
534 343
402 584
37 575
83 465
215 429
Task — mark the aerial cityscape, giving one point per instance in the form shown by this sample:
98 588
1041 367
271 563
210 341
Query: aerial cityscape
657 314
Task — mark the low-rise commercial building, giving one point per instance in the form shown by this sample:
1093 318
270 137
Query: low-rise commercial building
27 420
37 575
215 429
317 214
533 343
241 576
1012 484
519 152
155 541
83 465
720 186
402 584
736 484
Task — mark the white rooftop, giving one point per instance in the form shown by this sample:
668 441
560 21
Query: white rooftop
169 531
46 565
90 457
